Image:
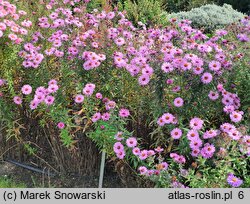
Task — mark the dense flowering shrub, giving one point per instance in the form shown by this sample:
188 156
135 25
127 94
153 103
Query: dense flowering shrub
13 24
159 98
210 17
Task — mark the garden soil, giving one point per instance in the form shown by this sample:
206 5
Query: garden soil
36 180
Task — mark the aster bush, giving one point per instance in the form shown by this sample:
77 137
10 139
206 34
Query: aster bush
165 100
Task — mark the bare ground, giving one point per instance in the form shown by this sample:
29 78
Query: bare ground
36 180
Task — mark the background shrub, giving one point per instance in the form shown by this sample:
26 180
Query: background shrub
210 17
184 5
239 5
146 11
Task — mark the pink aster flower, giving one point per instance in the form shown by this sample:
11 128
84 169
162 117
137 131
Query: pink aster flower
143 170
180 159
227 127
213 95
198 70
208 151
105 116
210 134
2 26
246 139
12 37
206 78
131 142
235 117
159 149
144 79
161 121
167 67
178 102
168 118
176 133
61 125
53 88
196 123
26 89
143 155
192 134
17 100
91 86
79 98
220 87
110 105
49 100
52 82
234 134
39 97
234 181
148 71
120 41
151 153
214 65
121 154
124 113
176 88
228 109
173 155
186 65
195 152
195 143
150 172
164 165
110 15
136 151
88 91
40 90
98 95
96 117
33 104
119 136
169 81
118 147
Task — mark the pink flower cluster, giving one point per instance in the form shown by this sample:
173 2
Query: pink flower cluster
178 158
150 172
42 95
9 25
61 20
109 105
131 144
31 54
166 118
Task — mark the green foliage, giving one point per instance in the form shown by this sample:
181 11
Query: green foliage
8 183
145 11
184 5
210 17
97 4
66 138
31 150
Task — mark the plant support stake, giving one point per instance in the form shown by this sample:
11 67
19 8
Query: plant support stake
102 169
